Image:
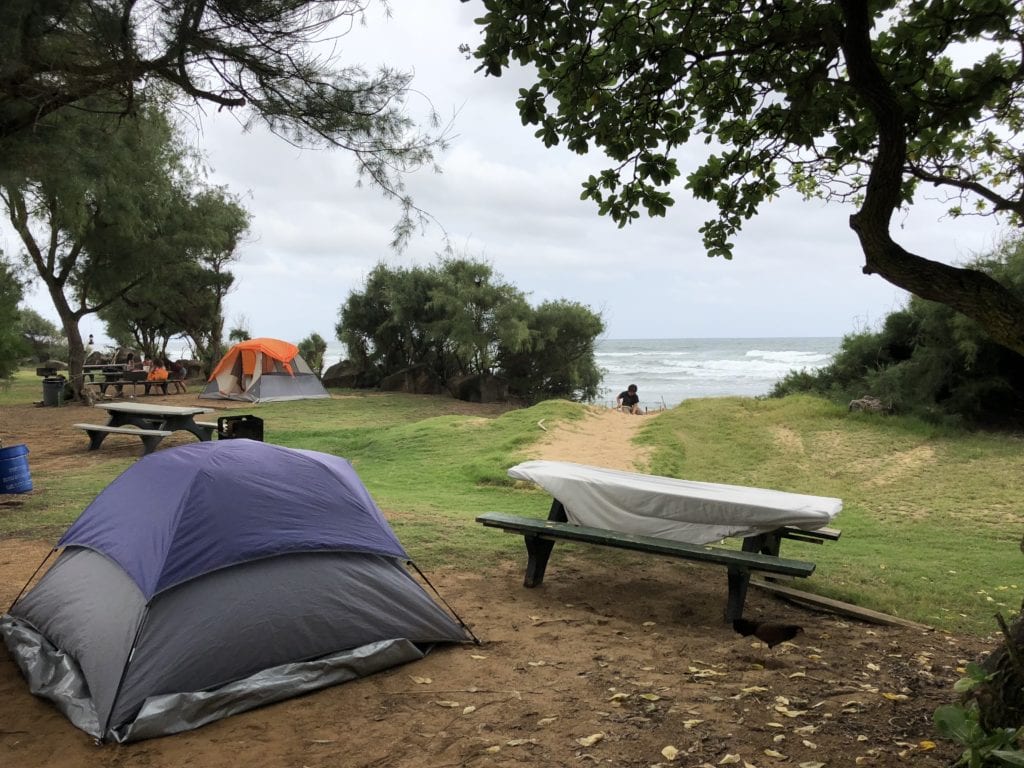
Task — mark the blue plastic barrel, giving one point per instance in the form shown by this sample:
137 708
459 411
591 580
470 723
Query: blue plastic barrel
14 474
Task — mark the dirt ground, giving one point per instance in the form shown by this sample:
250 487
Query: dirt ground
620 661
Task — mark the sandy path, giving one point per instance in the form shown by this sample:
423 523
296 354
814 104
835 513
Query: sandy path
602 438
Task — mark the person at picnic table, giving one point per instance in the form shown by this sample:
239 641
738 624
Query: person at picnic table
157 372
176 370
629 400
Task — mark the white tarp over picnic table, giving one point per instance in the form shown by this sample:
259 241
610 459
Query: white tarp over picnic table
680 510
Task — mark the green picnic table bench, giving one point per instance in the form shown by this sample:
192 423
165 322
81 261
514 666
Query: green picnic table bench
759 554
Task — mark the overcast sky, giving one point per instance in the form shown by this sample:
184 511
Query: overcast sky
504 198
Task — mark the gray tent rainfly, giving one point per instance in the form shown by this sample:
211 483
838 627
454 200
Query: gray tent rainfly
251 573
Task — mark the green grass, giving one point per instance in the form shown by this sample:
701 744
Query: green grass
24 387
931 519
931 516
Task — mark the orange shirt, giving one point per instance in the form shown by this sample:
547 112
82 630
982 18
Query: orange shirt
157 374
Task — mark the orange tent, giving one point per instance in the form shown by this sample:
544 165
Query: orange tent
262 370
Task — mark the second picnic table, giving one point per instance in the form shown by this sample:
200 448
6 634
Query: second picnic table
152 422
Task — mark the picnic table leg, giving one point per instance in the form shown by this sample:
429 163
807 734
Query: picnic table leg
150 442
95 439
764 543
739 579
118 419
538 551
187 424
557 512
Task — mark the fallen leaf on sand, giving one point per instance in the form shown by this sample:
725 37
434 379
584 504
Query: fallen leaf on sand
670 752
589 741
449 704
729 760
468 710
422 680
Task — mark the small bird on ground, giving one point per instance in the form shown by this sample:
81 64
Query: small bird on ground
771 633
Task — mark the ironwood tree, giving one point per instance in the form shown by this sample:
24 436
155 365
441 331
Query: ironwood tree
858 102
273 62
103 206
186 297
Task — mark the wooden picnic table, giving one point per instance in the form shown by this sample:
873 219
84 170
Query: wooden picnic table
90 371
168 417
118 382
151 423
668 517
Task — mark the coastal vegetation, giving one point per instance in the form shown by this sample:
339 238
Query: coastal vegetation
930 361
456 321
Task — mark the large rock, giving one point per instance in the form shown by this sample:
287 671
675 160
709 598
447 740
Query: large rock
868 404
345 375
417 380
479 388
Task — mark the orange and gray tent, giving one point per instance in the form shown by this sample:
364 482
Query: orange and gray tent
263 370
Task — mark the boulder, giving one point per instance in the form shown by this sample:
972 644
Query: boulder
868 404
478 388
416 380
345 375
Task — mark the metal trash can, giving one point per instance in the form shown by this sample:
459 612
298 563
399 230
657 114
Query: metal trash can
53 390
229 427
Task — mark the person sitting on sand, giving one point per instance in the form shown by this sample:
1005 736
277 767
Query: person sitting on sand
629 401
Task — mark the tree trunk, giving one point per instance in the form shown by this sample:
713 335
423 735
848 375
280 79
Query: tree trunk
1001 698
76 349
968 291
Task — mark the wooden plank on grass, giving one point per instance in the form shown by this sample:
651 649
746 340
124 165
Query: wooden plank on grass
836 606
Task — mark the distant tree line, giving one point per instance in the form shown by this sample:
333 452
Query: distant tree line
458 319
931 361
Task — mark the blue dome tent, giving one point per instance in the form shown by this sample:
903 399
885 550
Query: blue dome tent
213 578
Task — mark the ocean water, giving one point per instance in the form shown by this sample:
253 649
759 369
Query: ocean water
668 371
